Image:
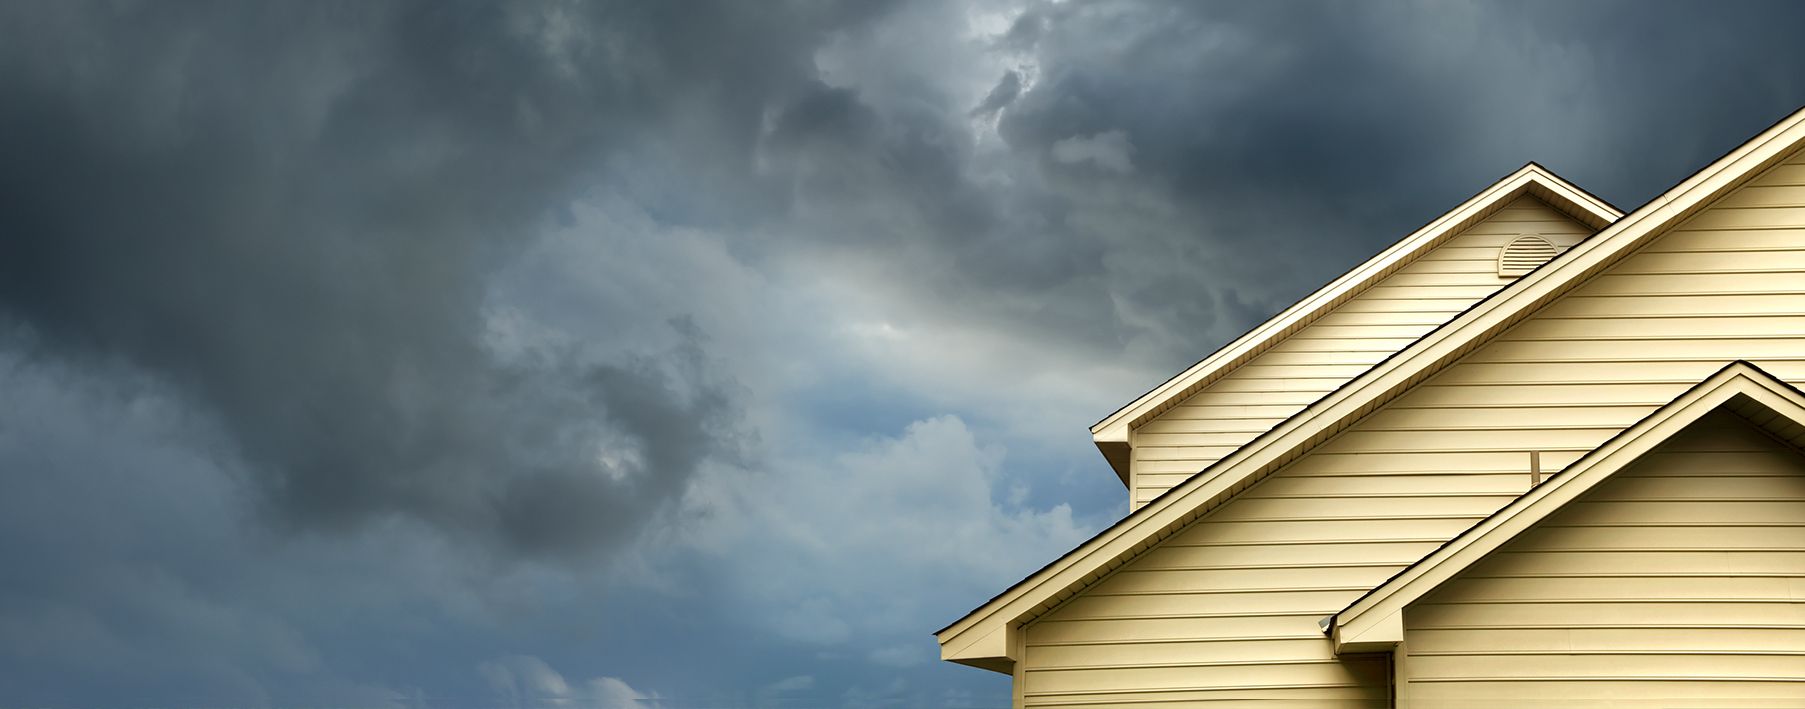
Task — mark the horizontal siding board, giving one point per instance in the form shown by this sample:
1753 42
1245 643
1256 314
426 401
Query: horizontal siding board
1576 666
1100 606
1708 262
1279 697
1760 279
1230 439
1189 455
1258 508
1173 628
1224 410
1436 394
1357 488
1407 318
1135 580
1630 564
1650 639
1659 330
1405 294
1181 653
1175 555
1594 304
1220 424
1668 693
1506 440
1322 530
1383 346
1505 419
1676 371
1290 387
1697 240
1688 353
1667 536
1299 371
1270 698
1705 482
1611 602
1304 673
1340 333
1451 462
1749 218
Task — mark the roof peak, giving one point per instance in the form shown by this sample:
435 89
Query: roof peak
1111 433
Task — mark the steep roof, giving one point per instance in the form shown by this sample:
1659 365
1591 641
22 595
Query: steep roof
1111 434
984 637
1374 622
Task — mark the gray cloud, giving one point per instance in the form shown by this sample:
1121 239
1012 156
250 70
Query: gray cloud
1000 96
491 291
290 213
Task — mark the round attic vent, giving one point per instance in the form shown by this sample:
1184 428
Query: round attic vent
1523 254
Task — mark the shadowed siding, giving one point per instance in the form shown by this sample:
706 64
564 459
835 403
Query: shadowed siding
1259 572
1676 583
1336 348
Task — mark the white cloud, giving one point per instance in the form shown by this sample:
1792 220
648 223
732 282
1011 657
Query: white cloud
862 547
792 684
525 681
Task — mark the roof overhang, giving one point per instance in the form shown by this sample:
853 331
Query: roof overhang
1165 515
1111 434
1374 623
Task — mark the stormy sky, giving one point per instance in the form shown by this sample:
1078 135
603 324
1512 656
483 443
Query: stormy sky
691 354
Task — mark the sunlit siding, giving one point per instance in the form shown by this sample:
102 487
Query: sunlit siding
1676 583
1320 358
1314 536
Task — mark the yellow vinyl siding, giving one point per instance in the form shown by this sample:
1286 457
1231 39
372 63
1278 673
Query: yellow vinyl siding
1589 606
1417 472
1335 348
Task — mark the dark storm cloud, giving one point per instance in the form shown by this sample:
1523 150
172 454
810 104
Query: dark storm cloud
529 273
290 213
1006 90
1334 128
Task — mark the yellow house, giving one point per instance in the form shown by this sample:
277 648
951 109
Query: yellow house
1537 453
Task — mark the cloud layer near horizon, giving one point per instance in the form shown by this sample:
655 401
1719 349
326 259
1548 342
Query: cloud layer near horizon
690 354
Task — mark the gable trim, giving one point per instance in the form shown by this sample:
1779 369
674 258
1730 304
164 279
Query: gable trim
1207 491
1374 622
1111 433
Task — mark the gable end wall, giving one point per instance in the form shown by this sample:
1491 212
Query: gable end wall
1328 353
1676 582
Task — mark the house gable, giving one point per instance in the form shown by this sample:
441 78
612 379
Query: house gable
1375 621
1371 324
1539 198
1490 440
1673 582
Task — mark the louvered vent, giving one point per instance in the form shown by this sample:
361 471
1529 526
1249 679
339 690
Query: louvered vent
1523 254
